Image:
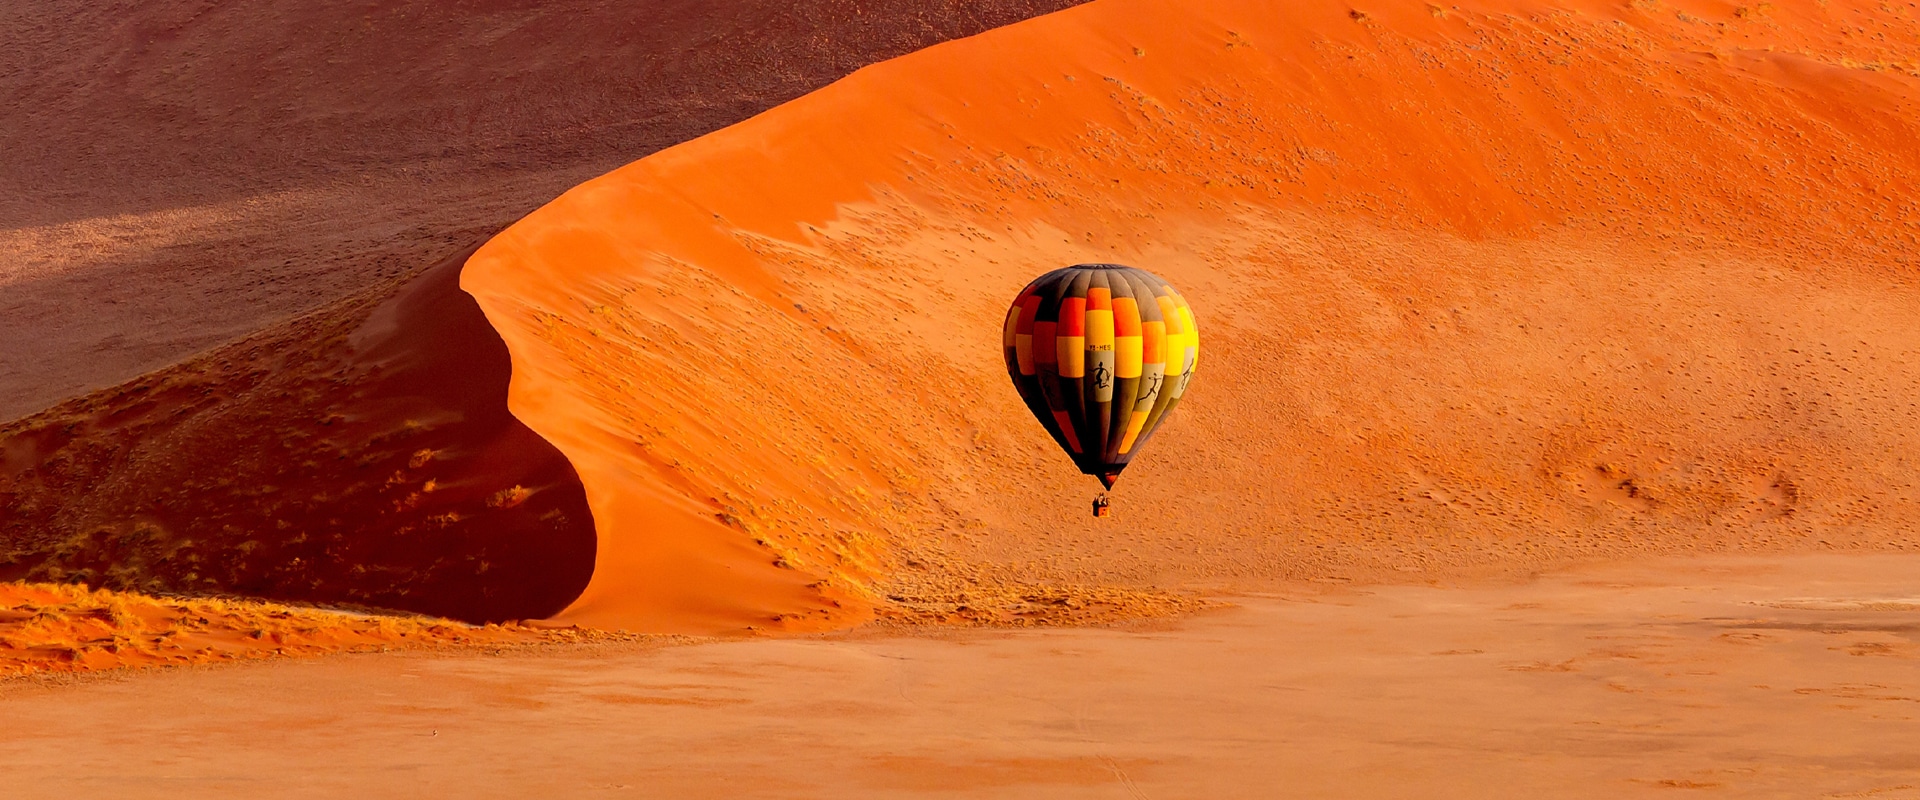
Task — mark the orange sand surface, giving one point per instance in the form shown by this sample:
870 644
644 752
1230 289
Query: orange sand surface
1721 677
1487 288
62 628
1554 350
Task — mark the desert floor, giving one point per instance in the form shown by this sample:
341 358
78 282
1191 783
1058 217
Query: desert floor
1555 434
1725 677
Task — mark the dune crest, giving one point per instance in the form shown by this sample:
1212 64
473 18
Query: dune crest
180 175
1489 287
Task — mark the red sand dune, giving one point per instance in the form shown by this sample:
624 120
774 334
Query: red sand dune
180 174
1485 288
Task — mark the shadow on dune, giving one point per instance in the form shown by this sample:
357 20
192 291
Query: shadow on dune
363 454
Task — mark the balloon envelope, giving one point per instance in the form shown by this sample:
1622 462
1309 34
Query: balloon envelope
1101 353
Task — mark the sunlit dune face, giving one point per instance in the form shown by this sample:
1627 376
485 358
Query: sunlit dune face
1488 287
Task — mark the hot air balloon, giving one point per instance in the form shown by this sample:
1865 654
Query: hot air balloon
1101 353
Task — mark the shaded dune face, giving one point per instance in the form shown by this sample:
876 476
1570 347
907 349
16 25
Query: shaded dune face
1489 288
361 455
179 174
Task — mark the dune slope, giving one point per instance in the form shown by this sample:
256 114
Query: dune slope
1482 288
363 454
180 174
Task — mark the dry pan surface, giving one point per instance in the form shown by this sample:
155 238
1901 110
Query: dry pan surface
1485 288
1725 677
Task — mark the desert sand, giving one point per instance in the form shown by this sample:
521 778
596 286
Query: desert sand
1481 290
137 234
1488 321
1726 677
179 175
52 631
1552 433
